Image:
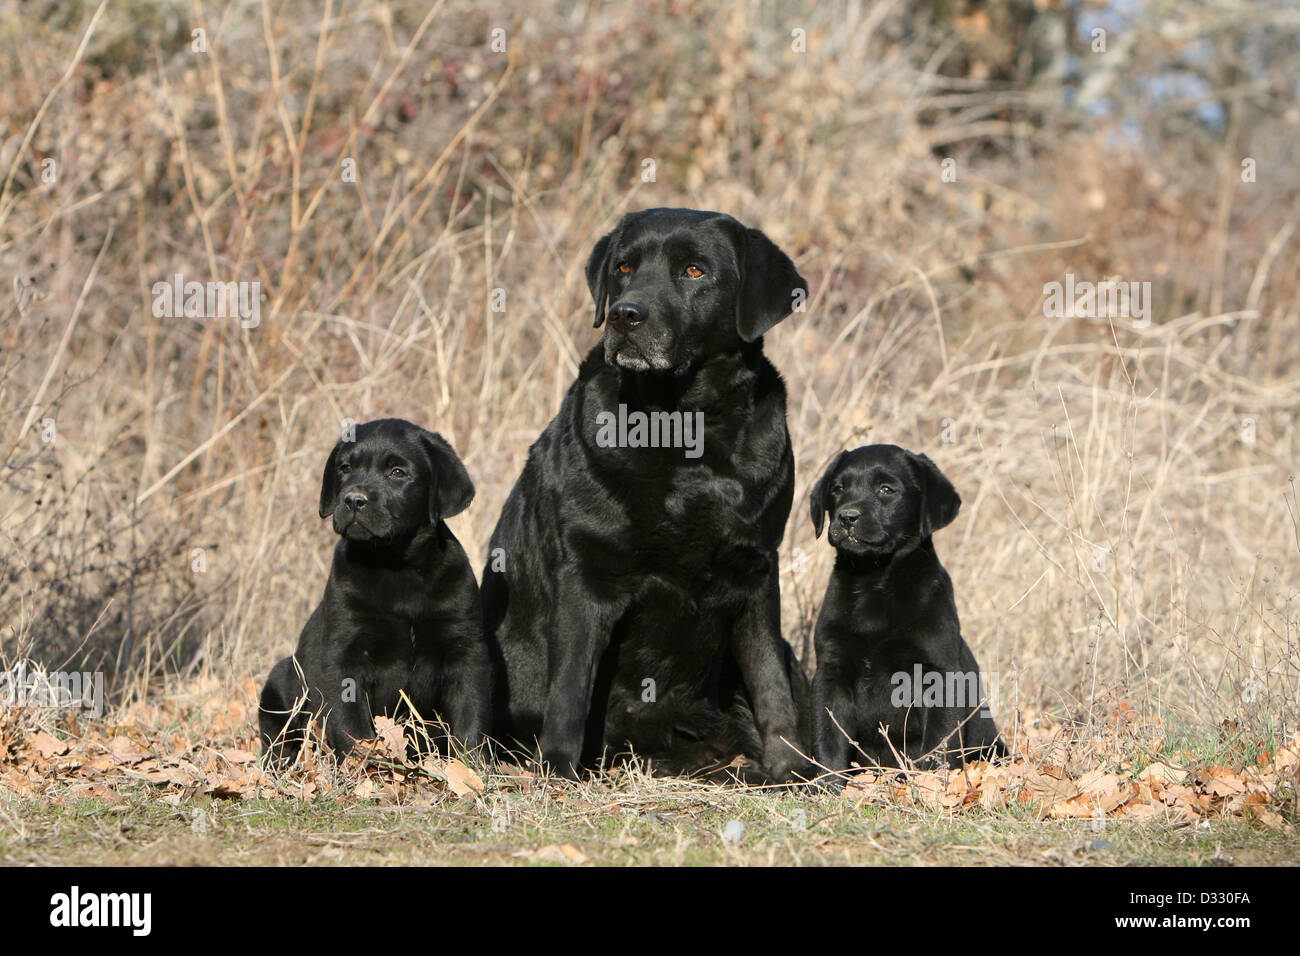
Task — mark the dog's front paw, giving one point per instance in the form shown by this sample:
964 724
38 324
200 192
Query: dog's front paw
790 771
784 764
559 764
828 782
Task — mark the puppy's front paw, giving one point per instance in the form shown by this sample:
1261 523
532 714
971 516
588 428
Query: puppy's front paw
827 782
559 764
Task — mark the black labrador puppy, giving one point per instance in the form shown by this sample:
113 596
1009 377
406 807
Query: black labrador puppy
630 594
889 646
401 611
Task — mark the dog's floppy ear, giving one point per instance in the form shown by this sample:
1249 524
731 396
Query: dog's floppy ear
598 264
939 499
769 284
454 490
329 483
817 499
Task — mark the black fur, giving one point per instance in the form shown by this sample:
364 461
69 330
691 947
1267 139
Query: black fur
889 607
401 610
621 574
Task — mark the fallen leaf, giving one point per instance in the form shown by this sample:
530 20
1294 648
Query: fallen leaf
126 751
552 853
1141 812
392 737
1162 773
46 745
1226 784
461 779
573 853
1268 817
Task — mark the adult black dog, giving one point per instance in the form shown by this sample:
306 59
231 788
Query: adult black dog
889 646
401 612
630 594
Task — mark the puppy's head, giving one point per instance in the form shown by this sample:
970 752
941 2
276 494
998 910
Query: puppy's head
673 286
882 500
392 481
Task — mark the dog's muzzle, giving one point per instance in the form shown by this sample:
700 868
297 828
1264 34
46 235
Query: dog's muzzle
848 532
631 342
348 515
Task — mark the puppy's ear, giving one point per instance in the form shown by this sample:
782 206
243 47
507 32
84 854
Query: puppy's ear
454 489
769 284
939 499
329 483
817 499
598 264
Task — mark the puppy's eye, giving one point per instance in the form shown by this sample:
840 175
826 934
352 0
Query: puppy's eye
344 468
623 269
397 473
837 488
886 490
694 271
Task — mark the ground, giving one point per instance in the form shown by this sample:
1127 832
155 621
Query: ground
663 824
178 780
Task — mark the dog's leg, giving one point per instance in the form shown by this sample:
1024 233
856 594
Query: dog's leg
345 726
918 735
832 718
757 645
583 628
281 729
350 720
467 680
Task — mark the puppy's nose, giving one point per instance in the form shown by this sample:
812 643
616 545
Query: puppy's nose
849 516
625 316
355 500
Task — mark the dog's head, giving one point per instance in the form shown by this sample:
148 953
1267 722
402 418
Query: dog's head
392 481
676 285
882 500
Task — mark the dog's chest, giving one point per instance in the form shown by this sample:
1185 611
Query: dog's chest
858 621
645 509
378 641
399 594
696 530
722 496
872 614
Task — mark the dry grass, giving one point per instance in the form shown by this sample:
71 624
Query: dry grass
1130 533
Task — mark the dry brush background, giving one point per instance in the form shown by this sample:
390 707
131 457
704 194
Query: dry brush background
1126 556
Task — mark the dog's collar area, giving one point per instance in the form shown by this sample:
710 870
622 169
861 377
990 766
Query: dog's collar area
864 565
415 550
726 377
868 565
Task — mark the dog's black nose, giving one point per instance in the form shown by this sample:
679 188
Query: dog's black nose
627 315
849 516
355 500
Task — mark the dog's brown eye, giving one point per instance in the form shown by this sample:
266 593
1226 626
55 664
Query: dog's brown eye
344 468
623 269
886 489
397 473
836 488
694 271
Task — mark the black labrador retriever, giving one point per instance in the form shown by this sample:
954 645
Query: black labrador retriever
630 594
401 612
889 645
